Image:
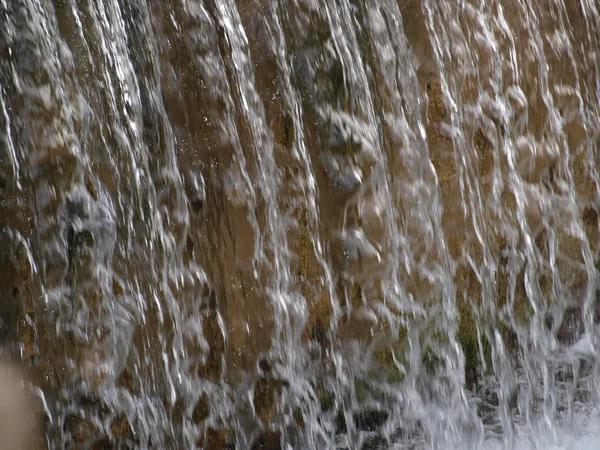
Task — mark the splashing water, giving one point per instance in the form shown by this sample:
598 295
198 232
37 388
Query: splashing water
303 224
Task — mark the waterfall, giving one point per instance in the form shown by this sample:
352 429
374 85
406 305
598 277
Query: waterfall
302 224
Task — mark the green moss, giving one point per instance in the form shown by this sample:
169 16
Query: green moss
370 419
430 361
467 336
340 423
468 339
326 398
362 389
392 358
298 416
523 311
392 375
387 369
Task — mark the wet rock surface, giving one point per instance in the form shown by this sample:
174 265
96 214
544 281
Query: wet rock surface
395 201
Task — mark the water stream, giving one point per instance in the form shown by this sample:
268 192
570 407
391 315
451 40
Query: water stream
303 224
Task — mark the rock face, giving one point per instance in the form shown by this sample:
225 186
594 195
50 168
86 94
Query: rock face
243 224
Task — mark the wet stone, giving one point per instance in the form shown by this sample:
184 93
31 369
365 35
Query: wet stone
57 163
375 443
80 252
81 238
201 410
484 150
270 440
188 254
335 75
213 366
564 374
103 444
28 336
348 179
326 398
117 288
90 186
80 429
266 396
91 401
298 416
336 137
571 327
370 420
339 422
3 182
437 107
127 381
471 379
488 394
344 175
319 333
485 409
196 189
221 439
264 365
284 131
343 139
445 167
55 268
121 428
582 395
209 296
589 216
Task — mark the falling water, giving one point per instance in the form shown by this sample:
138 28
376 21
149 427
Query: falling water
302 224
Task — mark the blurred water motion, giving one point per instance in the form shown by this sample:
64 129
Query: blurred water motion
308 224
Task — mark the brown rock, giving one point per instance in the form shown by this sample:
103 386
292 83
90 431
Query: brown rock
90 186
437 107
221 439
445 167
121 428
283 130
267 393
270 440
201 410
484 150
81 430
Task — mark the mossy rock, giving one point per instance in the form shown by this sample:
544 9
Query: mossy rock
430 361
339 422
468 334
468 338
326 398
370 420
298 416
393 359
